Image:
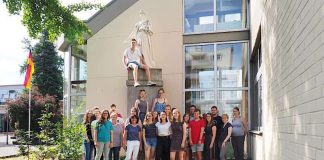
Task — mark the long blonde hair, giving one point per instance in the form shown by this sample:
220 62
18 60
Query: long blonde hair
179 116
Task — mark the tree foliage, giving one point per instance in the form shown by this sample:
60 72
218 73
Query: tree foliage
48 75
51 15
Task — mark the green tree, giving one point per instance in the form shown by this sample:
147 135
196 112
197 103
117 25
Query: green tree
48 75
51 15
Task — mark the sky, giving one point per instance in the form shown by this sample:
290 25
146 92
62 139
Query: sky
12 32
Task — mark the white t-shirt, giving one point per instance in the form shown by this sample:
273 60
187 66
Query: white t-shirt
163 129
133 56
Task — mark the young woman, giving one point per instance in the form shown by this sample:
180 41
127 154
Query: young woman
186 118
238 134
163 139
141 104
133 112
118 137
132 138
160 102
149 136
155 116
103 138
88 140
178 136
168 112
210 134
224 136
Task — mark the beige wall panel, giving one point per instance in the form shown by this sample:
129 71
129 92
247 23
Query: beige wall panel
103 92
255 19
106 74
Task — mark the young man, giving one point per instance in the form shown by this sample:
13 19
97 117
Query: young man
196 135
134 59
113 109
219 123
192 109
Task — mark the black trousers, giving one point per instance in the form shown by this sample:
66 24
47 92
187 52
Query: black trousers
163 148
217 149
114 152
238 147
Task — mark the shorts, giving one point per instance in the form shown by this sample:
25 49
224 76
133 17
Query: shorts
197 148
134 62
151 142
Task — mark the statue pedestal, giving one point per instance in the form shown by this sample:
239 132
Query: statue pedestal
151 91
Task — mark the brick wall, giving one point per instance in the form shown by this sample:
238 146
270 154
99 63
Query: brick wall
292 34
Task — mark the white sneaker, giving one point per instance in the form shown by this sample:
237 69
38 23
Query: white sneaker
150 83
136 84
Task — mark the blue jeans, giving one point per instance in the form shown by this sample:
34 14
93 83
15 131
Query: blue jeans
114 151
88 149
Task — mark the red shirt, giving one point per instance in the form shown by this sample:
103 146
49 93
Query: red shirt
195 127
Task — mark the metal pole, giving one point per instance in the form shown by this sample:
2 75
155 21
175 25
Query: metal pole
7 125
29 103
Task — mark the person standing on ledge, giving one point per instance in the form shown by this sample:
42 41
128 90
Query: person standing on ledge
134 59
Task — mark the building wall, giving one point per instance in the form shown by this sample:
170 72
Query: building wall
292 40
106 83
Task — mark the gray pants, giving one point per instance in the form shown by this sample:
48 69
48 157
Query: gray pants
223 151
238 147
103 147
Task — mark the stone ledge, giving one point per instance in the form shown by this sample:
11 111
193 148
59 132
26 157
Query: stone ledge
156 75
143 83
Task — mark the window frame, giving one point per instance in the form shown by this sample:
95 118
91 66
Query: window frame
216 88
246 28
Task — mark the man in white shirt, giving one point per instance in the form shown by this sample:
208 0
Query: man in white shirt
134 59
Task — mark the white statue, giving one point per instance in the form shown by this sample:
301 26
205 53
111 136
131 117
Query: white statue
142 32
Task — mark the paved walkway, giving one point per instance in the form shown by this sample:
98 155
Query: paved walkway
7 149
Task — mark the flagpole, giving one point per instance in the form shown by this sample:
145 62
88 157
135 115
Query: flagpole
29 104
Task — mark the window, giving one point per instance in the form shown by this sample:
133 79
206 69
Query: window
256 90
214 15
216 74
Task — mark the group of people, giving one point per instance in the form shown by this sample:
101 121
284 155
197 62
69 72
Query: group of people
163 133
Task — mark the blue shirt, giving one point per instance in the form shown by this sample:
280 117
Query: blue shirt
103 131
133 132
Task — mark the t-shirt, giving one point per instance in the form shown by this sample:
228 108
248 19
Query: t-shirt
88 129
94 124
195 127
118 131
103 131
150 130
133 56
219 124
224 132
133 132
163 129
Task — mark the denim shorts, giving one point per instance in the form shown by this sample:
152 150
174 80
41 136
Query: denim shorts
134 62
197 148
151 142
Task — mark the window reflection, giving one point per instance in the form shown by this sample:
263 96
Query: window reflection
231 65
199 66
203 99
230 14
199 16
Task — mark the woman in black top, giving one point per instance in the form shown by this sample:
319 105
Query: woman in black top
210 134
88 140
225 135
149 136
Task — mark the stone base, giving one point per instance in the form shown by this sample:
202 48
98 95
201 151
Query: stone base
151 91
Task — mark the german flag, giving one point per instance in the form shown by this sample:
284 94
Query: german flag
29 72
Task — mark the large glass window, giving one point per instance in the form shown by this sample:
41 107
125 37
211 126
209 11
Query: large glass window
214 15
216 74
